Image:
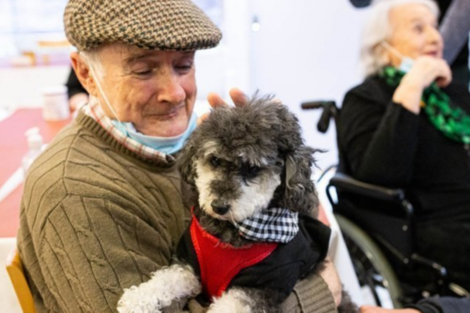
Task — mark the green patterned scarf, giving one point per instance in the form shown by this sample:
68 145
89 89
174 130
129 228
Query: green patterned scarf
453 122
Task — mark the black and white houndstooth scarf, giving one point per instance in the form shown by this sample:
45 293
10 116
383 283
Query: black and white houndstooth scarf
273 225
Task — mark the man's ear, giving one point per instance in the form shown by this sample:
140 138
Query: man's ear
84 74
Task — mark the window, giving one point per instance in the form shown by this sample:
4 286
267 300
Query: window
23 23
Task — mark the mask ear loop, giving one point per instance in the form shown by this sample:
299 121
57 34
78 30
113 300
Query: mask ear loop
103 94
406 62
387 46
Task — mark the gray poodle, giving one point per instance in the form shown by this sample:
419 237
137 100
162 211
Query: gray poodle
252 235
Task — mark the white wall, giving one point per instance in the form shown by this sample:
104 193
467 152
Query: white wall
23 86
307 50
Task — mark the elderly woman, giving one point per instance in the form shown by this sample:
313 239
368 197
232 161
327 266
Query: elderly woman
408 126
102 206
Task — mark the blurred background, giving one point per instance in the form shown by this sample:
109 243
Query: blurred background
298 50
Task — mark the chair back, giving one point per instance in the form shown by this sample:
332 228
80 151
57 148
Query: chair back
20 284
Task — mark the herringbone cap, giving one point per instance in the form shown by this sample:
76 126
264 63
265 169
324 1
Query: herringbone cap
149 24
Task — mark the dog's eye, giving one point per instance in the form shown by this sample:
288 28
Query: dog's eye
253 170
215 161
249 171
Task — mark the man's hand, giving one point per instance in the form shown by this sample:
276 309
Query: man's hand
238 98
331 278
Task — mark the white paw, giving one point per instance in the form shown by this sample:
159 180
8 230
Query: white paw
232 301
167 284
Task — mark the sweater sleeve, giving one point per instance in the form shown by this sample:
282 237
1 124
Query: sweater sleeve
378 139
92 249
310 295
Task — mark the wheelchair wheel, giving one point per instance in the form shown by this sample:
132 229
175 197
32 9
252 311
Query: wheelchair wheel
377 279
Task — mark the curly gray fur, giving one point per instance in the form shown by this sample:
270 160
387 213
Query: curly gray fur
261 129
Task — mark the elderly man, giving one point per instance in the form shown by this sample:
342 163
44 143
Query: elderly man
102 206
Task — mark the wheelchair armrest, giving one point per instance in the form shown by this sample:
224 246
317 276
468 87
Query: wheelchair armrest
347 183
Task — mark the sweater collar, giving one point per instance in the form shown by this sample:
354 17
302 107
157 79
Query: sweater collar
94 110
89 123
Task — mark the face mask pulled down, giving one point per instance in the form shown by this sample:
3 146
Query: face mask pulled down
167 145
406 62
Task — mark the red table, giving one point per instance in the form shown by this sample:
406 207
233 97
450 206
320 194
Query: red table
13 147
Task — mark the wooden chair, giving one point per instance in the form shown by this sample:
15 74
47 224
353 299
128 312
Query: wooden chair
20 284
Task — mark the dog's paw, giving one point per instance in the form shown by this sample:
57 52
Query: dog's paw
233 301
166 285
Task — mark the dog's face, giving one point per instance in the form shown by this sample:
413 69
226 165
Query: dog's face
242 160
235 186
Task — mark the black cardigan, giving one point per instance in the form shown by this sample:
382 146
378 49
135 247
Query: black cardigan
385 144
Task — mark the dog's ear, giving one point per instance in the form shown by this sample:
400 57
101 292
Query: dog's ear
297 190
299 193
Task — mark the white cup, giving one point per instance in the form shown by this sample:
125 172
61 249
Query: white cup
56 104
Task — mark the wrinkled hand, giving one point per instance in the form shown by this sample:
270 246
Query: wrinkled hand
424 72
375 309
237 96
428 69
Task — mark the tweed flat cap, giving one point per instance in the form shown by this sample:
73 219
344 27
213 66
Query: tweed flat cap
149 24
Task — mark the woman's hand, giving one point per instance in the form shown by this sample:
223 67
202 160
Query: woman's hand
428 69
375 309
425 71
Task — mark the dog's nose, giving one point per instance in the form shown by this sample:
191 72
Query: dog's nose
219 207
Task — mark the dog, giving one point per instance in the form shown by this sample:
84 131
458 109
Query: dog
252 234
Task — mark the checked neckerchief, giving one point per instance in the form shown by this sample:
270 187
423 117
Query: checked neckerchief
270 225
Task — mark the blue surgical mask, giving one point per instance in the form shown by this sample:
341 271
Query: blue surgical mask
406 62
167 145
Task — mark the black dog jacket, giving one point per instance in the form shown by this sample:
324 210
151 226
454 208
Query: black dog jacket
275 266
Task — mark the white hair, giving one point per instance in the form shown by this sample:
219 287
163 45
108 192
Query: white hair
93 59
378 29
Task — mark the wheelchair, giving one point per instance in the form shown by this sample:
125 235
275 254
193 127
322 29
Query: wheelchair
380 241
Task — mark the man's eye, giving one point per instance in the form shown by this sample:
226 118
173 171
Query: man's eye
184 67
215 161
143 72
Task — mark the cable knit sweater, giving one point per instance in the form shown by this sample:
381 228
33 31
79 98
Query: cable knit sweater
97 218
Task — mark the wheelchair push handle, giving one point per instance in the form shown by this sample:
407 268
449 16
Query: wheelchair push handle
329 111
312 105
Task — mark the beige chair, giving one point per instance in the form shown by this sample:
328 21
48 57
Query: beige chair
20 284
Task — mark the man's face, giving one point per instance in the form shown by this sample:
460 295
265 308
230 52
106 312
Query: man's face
154 90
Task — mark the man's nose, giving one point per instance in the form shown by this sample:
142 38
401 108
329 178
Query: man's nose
171 89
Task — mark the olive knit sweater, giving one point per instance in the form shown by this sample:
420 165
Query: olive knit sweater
97 218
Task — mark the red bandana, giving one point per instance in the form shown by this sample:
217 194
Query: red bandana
219 262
